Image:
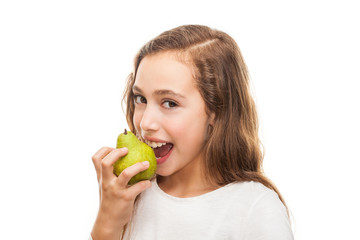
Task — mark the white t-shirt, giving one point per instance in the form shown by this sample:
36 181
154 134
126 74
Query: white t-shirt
246 210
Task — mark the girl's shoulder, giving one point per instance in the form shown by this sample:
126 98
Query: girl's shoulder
261 209
250 195
250 190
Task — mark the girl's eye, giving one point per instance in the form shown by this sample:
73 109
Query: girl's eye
170 104
139 99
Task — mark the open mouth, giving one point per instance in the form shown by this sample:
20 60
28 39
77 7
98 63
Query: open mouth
160 149
163 150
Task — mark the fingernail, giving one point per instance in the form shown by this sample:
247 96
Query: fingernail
123 149
146 163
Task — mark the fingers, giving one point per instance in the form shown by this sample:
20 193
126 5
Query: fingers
131 171
103 161
137 188
106 169
98 157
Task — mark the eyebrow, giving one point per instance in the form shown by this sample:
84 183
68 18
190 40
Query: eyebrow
160 92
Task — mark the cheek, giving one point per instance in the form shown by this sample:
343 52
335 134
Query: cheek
190 131
136 120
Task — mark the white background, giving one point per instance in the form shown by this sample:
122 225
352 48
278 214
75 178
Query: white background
62 71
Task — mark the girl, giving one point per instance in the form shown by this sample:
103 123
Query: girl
189 98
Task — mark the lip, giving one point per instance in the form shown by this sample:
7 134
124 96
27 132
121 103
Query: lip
164 158
152 139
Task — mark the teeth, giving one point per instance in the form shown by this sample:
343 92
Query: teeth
154 144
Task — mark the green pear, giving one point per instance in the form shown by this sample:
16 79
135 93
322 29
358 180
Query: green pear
137 152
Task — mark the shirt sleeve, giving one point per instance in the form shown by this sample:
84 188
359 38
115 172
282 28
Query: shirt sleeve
268 219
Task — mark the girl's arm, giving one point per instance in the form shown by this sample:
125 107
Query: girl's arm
116 197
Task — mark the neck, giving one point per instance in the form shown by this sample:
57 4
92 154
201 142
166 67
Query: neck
189 182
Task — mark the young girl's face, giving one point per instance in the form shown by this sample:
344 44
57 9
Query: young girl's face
170 112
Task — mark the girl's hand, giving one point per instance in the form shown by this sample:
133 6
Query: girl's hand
116 197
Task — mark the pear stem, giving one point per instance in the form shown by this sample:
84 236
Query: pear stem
125 132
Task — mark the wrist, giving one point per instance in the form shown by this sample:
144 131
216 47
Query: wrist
99 233
105 229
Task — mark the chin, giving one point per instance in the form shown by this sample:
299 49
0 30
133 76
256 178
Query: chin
163 172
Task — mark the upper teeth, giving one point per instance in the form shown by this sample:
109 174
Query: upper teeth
154 144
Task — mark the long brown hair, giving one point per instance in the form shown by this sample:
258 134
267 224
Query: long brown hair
233 150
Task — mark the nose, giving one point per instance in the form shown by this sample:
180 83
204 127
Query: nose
149 121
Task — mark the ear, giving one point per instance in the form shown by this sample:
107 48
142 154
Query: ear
211 119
